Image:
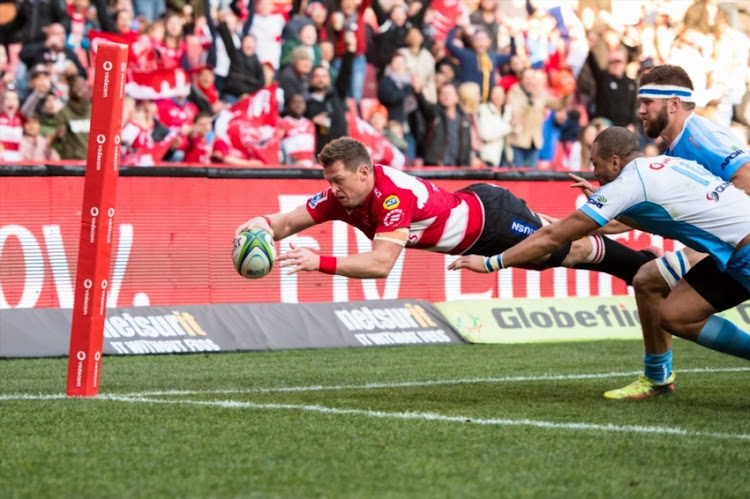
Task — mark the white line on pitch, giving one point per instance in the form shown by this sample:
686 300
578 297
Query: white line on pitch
371 386
431 416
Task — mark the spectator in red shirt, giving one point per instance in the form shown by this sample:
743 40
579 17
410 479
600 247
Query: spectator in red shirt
11 127
177 114
171 50
203 91
297 134
200 141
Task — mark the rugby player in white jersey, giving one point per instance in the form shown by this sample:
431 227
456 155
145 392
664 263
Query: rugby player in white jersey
397 210
675 198
666 107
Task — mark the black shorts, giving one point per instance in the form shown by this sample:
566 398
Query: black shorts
507 221
716 287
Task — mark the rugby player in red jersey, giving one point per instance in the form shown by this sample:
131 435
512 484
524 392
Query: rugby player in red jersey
397 210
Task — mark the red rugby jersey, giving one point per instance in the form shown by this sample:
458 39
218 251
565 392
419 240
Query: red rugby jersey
437 220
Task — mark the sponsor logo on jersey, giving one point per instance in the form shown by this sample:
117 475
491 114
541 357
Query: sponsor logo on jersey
521 228
599 200
714 195
317 199
735 152
391 202
393 217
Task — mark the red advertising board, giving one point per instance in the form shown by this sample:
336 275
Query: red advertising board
172 242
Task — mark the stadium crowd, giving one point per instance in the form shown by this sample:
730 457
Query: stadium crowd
488 83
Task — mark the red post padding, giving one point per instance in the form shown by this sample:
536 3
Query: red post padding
97 217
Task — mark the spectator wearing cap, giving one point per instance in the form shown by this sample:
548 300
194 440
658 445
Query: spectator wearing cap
478 63
40 85
294 78
245 70
203 91
306 38
71 138
616 94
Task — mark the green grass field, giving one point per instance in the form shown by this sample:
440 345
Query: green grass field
461 421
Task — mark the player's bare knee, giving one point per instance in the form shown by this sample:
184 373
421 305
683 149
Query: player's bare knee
649 281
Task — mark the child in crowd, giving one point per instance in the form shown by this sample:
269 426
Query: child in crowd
34 147
11 125
200 140
297 134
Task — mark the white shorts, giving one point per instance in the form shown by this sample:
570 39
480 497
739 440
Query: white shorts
673 266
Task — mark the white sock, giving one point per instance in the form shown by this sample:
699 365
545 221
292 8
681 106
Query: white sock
597 250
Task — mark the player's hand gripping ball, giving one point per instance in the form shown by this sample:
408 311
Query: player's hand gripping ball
253 253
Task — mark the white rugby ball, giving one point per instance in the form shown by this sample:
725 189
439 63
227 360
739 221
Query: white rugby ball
253 253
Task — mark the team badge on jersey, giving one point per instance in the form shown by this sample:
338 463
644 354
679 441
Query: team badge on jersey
317 199
391 202
393 218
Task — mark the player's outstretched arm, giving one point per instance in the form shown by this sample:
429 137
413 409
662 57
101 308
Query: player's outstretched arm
546 240
371 265
280 225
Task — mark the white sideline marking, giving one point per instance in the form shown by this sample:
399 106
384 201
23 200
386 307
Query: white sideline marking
430 416
371 386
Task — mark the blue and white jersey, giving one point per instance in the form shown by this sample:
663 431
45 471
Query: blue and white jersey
709 144
676 198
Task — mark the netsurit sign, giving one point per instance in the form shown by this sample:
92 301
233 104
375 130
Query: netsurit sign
174 332
550 319
401 325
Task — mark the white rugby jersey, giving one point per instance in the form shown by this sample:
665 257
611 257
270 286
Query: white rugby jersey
677 198
437 220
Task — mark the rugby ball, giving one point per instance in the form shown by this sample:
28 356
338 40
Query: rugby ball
253 253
